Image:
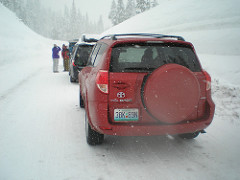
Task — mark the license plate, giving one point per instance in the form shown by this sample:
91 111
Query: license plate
126 115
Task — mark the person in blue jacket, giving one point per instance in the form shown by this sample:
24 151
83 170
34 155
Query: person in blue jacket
55 55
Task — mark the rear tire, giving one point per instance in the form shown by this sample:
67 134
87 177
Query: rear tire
81 103
189 135
92 137
72 79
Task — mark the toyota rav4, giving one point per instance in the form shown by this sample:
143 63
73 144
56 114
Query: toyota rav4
143 85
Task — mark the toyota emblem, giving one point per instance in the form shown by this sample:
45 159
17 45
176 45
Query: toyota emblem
121 95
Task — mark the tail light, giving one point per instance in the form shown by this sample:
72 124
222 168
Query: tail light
73 64
208 80
102 81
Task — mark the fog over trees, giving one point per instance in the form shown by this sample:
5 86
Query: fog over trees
119 12
66 25
71 23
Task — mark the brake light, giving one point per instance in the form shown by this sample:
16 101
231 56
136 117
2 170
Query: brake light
208 80
102 81
73 64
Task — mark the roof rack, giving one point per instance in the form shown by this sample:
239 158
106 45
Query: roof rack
89 40
73 40
114 36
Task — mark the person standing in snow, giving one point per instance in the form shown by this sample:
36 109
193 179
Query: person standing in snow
55 55
65 55
62 54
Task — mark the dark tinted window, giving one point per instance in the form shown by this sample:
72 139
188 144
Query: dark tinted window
82 54
74 49
147 57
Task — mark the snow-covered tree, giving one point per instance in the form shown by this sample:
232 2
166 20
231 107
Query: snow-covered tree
113 13
141 6
20 11
73 18
29 13
66 21
148 4
130 9
154 3
6 3
120 12
100 26
69 24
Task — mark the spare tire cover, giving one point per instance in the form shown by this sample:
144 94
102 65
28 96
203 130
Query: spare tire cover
171 93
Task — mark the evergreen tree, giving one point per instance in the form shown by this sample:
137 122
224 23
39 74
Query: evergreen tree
100 26
130 9
87 24
6 3
73 24
66 25
51 24
29 13
120 12
148 4
11 5
36 19
20 11
79 24
66 20
82 22
141 5
154 3
56 26
46 19
113 13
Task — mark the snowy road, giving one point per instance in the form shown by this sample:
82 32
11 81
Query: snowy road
42 128
42 137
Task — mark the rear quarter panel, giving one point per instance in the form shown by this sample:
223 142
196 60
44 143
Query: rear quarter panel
96 102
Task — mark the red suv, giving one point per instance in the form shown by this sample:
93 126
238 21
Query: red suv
143 85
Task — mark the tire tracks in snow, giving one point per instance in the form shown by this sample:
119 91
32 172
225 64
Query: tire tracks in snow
11 90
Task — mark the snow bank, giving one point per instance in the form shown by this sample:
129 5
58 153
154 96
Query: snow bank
17 40
212 26
23 52
216 23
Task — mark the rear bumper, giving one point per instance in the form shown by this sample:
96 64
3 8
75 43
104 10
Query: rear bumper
150 130
104 127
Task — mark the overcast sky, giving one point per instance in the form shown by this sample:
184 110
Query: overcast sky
94 8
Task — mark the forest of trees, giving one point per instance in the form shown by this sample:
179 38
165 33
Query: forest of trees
66 25
120 13
71 23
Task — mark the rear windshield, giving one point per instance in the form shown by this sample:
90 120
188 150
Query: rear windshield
82 55
144 57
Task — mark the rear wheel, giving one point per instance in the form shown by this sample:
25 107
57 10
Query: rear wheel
72 79
92 137
81 103
189 135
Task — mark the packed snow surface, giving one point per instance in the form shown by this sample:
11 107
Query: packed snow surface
42 127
